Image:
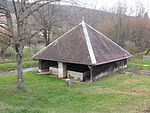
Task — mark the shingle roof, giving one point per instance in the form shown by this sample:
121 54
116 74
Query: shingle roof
83 45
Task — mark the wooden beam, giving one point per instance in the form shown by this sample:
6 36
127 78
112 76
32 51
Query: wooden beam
91 73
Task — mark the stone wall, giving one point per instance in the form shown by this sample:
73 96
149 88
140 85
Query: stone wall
70 74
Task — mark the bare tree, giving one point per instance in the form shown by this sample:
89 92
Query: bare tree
121 10
23 10
147 51
6 28
140 9
131 32
48 20
141 28
4 44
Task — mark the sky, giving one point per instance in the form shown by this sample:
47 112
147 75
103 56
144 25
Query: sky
110 3
99 4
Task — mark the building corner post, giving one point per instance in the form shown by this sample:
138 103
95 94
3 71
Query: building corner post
62 70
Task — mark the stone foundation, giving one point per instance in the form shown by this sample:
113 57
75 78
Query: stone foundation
70 74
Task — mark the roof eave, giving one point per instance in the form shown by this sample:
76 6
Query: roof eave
35 58
111 61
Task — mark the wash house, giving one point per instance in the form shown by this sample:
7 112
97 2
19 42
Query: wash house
82 53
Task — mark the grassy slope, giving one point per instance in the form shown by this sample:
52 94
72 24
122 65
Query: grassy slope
117 93
14 59
26 53
26 50
137 63
144 65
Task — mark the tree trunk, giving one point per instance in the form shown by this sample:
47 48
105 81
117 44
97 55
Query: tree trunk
29 46
20 77
48 37
45 36
2 53
147 51
47 43
35 49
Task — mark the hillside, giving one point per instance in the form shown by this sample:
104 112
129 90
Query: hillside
130 32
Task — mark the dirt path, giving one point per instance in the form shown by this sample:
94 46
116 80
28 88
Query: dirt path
139 72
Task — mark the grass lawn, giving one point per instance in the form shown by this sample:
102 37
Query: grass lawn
14 58
144 65
10 66
117 93
137 63
26 51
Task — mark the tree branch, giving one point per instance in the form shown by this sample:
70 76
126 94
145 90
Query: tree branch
3 27
31 12
17 18
5 34
2 15
3 41
3 23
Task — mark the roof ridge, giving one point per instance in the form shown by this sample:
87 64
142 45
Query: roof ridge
88 42
108 39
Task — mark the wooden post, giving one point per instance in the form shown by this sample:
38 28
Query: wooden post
91 73
40 65
62 72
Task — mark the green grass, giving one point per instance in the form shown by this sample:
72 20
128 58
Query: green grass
10 66
137 63
26 50
144 65
117 93
14 59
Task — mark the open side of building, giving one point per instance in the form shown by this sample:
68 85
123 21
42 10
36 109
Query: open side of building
82 53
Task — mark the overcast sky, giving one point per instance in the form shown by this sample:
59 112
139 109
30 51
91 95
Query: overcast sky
110 3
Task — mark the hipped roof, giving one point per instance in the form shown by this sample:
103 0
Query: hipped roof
83 45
